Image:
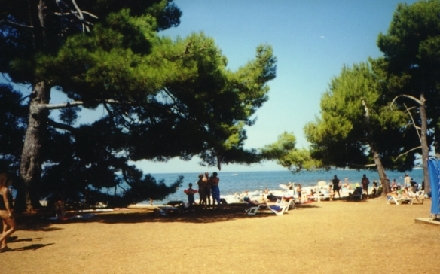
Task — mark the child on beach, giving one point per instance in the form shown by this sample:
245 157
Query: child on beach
190 192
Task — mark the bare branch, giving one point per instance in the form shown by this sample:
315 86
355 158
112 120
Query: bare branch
79 103
77 12
90 14
407 96
60 125
17 25
414 123
65 105
408 151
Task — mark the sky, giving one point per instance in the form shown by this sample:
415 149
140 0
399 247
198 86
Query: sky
312 40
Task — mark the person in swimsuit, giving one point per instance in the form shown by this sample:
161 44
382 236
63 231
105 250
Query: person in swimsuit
207 187
215 190
202 192
6 211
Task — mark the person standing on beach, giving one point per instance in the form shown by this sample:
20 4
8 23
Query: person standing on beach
407 181
6 211
365 183
207 188
336 187
202 192
374 188
215 190
190 192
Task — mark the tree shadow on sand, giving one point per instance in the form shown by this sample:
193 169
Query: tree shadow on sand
227 213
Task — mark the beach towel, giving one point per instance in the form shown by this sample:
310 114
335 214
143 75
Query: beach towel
434 180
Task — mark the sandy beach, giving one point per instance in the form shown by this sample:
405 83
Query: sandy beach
327 237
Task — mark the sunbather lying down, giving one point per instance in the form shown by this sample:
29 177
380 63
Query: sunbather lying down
392 193
252 203
399 193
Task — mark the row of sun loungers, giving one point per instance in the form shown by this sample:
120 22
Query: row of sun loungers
278 208
410 199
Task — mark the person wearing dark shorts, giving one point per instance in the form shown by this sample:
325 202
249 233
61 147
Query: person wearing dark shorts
336 187
365 183
215 190
202 192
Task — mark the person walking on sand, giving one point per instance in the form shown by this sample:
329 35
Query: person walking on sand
336 187
215 190
207 187
6 211
365 183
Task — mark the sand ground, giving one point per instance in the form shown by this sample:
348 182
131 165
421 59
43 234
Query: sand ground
325 237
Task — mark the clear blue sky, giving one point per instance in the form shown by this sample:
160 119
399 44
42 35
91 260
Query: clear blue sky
312 40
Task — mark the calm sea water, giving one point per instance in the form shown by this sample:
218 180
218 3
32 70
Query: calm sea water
232 182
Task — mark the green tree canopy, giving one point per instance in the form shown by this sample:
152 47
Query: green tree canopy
287 155
163 97
357 127
411 50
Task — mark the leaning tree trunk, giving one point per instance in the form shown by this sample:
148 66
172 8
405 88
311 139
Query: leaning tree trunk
385 182
423 142
30 166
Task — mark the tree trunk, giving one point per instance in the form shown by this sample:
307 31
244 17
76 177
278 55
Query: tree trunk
423 142
30 166
384 181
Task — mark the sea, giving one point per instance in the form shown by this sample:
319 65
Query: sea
237 182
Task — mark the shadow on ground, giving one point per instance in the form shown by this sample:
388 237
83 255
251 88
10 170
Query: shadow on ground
42 222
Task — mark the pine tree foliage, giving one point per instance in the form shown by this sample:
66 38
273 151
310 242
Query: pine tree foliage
163 97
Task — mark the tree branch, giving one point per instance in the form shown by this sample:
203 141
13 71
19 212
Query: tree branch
54 124
79 103
414 123
17 25
407 96
77 12
408 151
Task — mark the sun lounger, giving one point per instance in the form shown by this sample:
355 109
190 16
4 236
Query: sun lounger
417 196
252 210
393 200
398 200
277 209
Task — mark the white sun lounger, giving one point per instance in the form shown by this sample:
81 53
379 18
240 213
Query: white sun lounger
252 210
398 200
278 209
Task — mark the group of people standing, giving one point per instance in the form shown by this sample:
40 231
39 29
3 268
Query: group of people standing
337 185
207 188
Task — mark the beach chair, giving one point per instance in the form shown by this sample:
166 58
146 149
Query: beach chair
252 210
398 200
277 209
417 196
290 204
